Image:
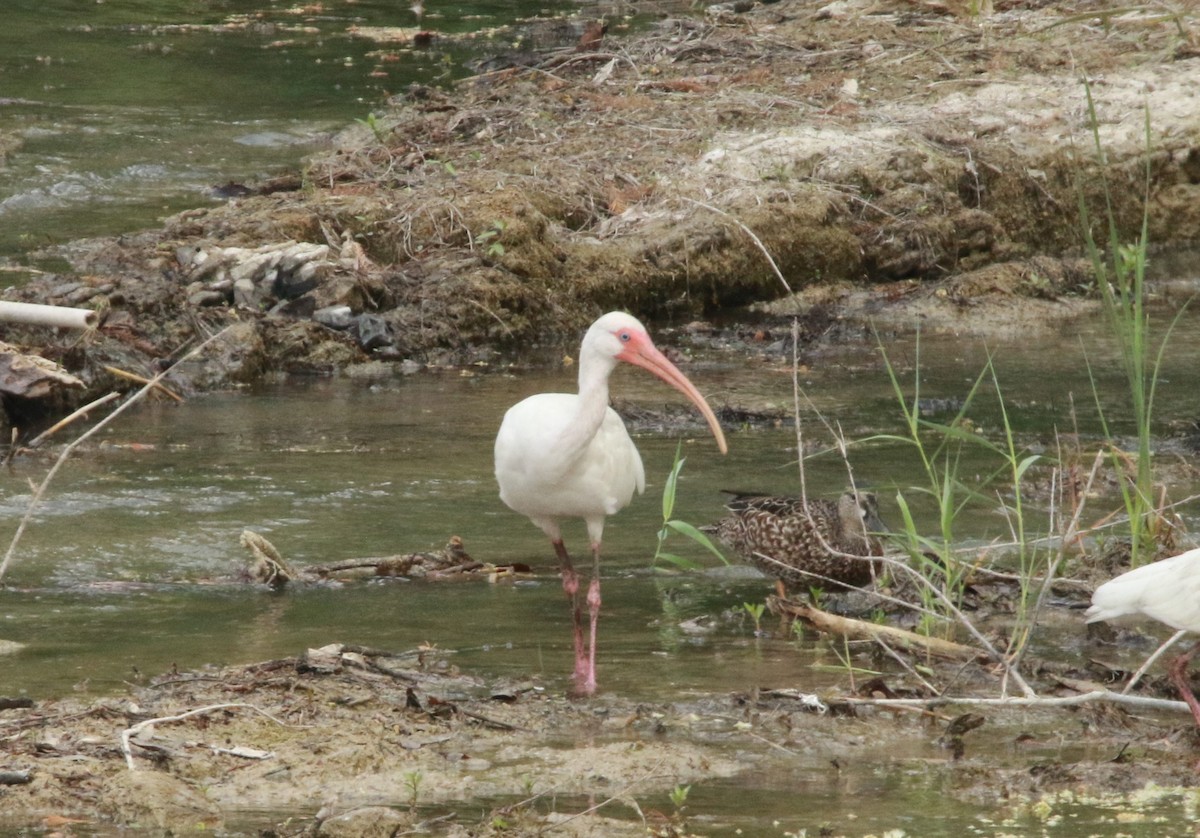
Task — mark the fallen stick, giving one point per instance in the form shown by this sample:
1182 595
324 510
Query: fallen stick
59 317
67 420
859 630
130 732
131 376
1030 701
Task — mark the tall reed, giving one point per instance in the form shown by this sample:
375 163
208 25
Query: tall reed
1120 270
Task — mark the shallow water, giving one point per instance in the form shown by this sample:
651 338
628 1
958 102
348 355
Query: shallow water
128 563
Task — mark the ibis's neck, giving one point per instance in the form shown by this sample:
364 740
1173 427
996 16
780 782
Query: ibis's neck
590 408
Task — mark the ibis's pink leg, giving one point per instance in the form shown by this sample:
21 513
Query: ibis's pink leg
593 601
1180 679
570 581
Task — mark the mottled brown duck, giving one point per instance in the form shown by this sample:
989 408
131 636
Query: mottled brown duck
788 539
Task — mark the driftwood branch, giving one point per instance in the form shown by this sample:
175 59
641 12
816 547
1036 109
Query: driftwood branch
1032 701
141 379
36 314
130 732
859 630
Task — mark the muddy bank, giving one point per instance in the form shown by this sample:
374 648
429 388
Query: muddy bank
353 741
884 148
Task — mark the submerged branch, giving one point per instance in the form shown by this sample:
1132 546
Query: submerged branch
1031 701
67 420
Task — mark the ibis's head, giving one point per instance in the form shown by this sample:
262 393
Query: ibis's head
618 336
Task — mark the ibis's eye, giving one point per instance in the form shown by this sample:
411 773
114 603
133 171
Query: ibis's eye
624 336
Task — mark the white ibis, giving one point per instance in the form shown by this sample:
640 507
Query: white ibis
569 456
1167 591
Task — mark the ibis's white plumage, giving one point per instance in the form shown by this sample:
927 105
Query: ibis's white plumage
539 482
1167 591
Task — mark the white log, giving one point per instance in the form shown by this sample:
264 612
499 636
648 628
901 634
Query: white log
41 315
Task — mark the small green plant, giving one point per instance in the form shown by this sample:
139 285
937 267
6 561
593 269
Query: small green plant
491 238
670 524
940 449
798 630
412 780
816 595
375 125
679 796
755 610
846 663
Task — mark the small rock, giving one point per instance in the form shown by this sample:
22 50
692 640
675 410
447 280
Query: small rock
207 298
837 10
64 289
369 371
289 285
300 254
245 293
367 822
82 295
188 254
372 331
298 308
335 317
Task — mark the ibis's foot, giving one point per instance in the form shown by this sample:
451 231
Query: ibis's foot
584 683
1179 678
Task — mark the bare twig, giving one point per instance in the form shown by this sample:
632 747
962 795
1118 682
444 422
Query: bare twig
757 241
908 667
1158 653
1031 701
130 732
